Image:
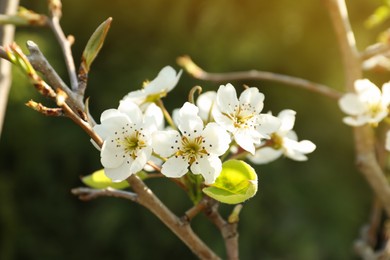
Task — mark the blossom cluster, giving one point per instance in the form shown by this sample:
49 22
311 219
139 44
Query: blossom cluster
218 125
368 105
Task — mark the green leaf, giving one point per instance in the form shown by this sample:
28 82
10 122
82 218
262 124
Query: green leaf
95 43
236 183
99 180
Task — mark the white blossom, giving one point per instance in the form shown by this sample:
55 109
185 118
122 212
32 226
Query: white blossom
283 142
242 116
126 133
195 147
165 81
368 105
206 104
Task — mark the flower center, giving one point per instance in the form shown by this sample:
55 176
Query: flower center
276 141
133 143
191 148
242 116
130 140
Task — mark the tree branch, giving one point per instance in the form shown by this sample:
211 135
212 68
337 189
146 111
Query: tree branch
363 136
228 230
6 37
87 194
181 228
54 23
198 73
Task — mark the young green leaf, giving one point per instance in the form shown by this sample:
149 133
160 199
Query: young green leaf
94 44
236 183
99 180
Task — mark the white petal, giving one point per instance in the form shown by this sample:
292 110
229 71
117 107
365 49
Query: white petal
175 167
153 117
119 173
189 121
245 140
305 146
206 103
165 81
140 161
111 155
216 139
223 120
110 125
227 99
367 91
109 113
131 110
265 155
351 104
254 97
209 167
268 124
297 150
166 143
354 121
137 96
287 119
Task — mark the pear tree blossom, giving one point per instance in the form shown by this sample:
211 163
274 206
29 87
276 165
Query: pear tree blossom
165 81
284 141
206 104
367 106
242 116
126 133
196 147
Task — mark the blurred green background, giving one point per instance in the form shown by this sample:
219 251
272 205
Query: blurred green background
311 210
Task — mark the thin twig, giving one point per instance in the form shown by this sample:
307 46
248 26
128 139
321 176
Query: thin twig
41 64
84 125
195 210
377 49
228 230
195 71
87 194
63 41
182 229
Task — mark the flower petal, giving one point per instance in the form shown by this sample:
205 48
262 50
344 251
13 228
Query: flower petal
267 124
227 99
208 166
367 91
142 158
287 119
265 155
131 110
166 143
153 117
165 81
245 140
351 104
216 139
119 173
253 97
111 155
175 167
189 121
206 104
